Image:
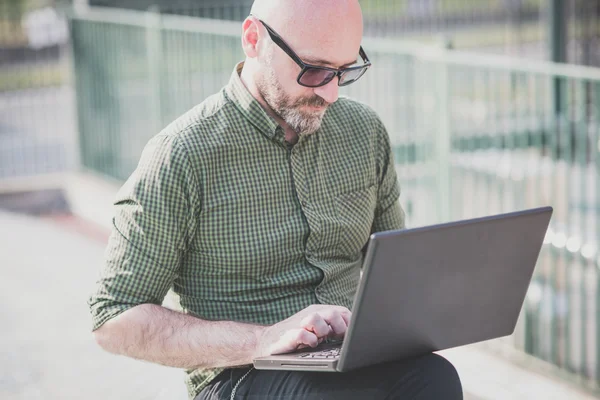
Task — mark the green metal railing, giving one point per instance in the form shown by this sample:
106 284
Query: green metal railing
472 135
136 71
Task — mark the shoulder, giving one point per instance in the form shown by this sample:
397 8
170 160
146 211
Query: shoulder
185 138
202 124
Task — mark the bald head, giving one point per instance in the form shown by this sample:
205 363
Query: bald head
309 13
310 27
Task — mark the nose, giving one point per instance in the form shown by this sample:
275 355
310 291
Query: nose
328 92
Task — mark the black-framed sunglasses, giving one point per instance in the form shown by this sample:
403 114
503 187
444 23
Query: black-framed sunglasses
316 75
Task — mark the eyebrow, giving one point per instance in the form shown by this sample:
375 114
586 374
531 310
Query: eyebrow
318 61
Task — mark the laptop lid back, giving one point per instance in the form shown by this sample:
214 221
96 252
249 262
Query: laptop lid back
442 286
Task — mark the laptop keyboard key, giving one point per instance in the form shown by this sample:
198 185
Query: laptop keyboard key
331 353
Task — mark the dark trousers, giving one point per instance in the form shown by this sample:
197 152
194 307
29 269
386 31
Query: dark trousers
423 378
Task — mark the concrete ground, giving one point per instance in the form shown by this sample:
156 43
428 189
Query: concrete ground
47 269
46 350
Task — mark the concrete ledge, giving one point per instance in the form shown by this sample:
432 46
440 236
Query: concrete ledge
32 183
485 374
34 195
91 197
86 195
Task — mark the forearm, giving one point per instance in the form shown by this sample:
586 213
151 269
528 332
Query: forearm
156 334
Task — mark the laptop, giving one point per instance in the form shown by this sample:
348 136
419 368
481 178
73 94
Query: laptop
433 288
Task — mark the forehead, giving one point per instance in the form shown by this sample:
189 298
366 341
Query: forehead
328 47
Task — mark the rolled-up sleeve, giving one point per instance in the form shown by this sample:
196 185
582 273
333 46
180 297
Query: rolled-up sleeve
389 214
154 220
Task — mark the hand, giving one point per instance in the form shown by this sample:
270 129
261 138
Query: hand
306 328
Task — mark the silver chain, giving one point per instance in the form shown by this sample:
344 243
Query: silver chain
235 388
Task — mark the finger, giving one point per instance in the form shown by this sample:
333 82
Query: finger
306 338
333 315
343 311
294 339
346 315
315 323
338 325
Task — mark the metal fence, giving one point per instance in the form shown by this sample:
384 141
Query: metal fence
472 135
511 27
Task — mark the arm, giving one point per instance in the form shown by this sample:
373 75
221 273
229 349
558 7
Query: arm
153 226
156 334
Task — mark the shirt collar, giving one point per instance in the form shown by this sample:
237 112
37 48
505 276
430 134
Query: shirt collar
250 108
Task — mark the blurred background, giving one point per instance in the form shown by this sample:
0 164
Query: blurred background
491 106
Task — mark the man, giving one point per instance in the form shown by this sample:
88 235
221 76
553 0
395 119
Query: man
255 206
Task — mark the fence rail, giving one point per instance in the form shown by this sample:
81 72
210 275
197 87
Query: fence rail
472 135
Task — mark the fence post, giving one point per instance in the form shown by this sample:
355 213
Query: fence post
442 145
557 37
154 64
596 151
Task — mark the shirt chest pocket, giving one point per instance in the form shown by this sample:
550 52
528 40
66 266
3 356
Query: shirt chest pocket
355 214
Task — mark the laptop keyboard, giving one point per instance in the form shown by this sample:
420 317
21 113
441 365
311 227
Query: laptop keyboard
329 353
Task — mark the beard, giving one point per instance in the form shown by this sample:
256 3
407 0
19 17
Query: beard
290 110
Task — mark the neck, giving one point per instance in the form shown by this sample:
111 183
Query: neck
247 77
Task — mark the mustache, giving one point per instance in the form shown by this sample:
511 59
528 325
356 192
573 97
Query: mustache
314 101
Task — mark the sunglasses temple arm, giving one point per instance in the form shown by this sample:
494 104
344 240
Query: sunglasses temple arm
279 42
362 53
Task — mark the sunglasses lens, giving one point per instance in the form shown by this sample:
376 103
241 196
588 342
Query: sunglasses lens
314 77
351 76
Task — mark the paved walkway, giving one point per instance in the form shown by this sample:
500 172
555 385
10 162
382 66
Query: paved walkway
47 269
46 349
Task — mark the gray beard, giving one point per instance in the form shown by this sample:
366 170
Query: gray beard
301 122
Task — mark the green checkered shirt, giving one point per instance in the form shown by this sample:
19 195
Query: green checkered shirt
242 226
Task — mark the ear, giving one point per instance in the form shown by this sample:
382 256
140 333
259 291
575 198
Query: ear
250 36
